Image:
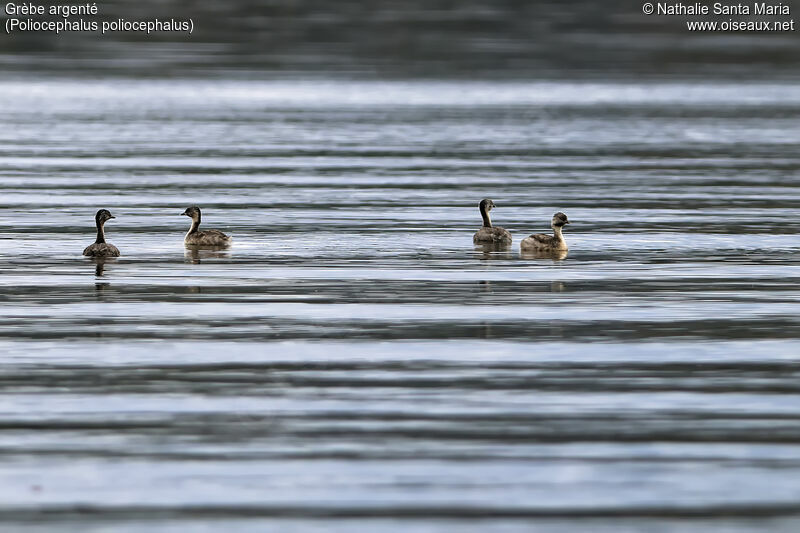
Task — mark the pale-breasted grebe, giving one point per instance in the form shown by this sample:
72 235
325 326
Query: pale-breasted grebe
209 237
101 248
489 234
548 243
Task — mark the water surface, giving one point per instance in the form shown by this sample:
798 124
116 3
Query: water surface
353 360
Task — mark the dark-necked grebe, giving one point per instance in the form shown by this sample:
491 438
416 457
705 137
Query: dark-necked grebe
101 248
548 243
209 237
488 234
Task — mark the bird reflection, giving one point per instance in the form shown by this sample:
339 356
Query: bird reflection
99 271
196 255
100 265
555 255
493 251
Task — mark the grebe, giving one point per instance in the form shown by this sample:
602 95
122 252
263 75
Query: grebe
209 237
488 234
548 243
101 248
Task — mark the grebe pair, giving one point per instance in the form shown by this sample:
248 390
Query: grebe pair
195 237
539 242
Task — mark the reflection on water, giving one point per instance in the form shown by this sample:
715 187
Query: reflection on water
555 255
354 357
494 251
195 254
100 264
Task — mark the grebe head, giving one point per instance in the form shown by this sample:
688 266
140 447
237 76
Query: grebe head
193 212
486 205
103 215
559 220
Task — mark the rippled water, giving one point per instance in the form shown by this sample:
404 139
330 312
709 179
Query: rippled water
353 362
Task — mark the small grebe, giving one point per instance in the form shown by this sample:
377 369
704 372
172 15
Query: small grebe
209 237
101 248
488 234
548 243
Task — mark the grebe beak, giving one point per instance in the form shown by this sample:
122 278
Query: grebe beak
111 216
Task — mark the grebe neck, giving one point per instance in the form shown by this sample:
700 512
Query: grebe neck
487 222
101 237
195 225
